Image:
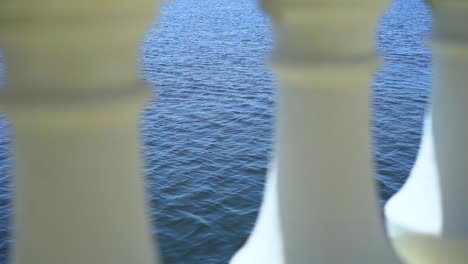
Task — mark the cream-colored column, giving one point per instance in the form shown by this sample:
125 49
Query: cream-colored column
327 195
428 218
73 99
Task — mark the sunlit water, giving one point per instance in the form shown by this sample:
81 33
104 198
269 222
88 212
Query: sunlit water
208 131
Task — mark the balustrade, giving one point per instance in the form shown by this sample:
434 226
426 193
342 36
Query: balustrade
428 218
73 99
326 195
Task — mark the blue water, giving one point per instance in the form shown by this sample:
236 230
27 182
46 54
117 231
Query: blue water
208 131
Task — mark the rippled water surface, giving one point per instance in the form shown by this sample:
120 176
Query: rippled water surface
208 131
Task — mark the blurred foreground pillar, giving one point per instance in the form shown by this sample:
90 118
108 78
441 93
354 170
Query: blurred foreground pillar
428 218
326 191
73 99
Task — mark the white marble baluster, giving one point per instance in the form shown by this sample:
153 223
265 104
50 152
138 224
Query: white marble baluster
326 192
73 99
428 218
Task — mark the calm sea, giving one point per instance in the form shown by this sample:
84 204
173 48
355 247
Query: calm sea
208 130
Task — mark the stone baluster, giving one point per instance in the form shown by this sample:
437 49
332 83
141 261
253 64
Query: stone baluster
73 98
428 218
326 192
